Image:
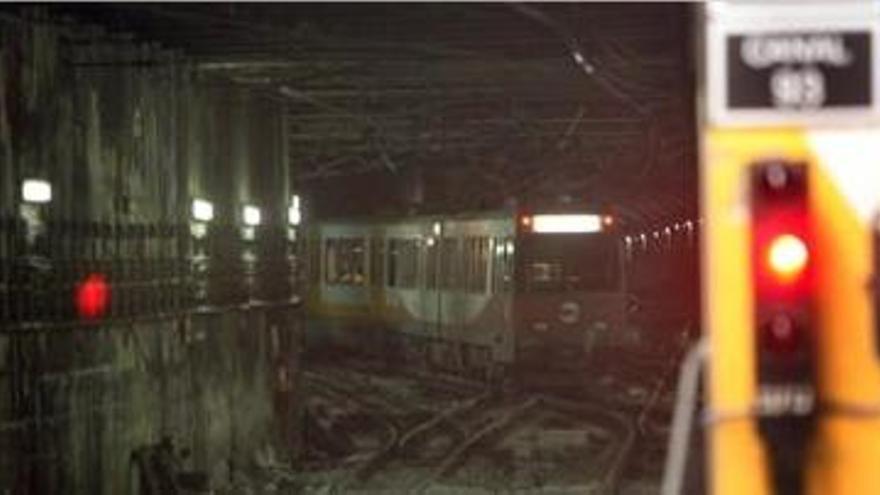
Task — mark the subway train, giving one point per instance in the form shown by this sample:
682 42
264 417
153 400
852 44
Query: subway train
484 295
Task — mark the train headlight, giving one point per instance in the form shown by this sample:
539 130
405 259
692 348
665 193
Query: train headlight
607 221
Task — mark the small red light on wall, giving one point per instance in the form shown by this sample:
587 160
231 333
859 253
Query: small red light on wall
92 297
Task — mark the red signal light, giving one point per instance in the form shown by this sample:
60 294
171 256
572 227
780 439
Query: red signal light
92 297
787 256
784 315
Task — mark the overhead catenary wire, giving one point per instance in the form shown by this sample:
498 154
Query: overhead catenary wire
587 66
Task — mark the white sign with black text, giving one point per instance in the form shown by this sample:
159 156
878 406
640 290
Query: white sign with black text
781 70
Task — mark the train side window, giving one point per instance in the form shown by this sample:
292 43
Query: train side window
410 266
451 264
329 261
314 261
467 263
483 264
493 264
403 263
392 263
476 263
377 259
344 261
497 267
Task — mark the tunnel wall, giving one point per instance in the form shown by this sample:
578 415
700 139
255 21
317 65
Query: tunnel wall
189 376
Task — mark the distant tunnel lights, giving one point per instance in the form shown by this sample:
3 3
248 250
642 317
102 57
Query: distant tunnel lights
251 215
36 191
202 210
566 224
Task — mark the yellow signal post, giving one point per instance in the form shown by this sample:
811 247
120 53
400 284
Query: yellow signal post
790 121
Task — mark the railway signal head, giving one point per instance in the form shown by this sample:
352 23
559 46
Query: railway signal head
781 271
781 239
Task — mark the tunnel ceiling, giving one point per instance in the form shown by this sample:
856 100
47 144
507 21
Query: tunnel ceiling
515 100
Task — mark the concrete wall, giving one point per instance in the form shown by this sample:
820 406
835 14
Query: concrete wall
127 134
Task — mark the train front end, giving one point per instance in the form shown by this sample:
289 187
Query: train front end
570 297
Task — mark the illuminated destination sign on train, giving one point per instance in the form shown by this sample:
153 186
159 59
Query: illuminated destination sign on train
799 71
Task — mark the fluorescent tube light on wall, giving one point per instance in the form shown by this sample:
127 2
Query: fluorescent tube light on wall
36 191
202 210
251 215
294 216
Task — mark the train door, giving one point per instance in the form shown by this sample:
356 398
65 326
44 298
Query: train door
451 301
501 286
431 269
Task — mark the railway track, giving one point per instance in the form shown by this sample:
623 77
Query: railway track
428 433
466 425
410 440
399 417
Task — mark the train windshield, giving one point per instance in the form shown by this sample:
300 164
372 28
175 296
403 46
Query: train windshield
566 262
